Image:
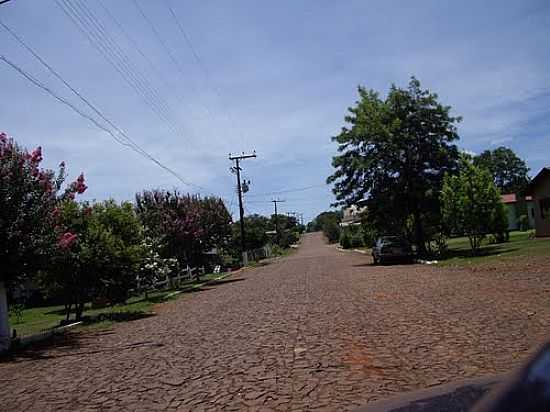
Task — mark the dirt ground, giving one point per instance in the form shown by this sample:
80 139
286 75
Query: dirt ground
318 330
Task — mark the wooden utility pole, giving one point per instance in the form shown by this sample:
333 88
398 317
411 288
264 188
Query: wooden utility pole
275 201
237 170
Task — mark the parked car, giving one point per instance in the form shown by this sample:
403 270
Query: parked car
392 248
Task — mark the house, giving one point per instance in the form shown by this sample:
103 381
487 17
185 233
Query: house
352 214
517 206
539 190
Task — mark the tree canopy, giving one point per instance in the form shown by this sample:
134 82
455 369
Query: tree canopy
185 226
394 152
510 173
29 196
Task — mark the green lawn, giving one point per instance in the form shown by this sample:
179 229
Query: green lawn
519 245
35 320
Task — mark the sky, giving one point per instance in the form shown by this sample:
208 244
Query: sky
275 77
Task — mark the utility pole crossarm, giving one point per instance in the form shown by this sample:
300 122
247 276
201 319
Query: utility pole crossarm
242 156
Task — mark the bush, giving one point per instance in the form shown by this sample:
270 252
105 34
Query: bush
524 223
331 231
345 240
357 240
276 250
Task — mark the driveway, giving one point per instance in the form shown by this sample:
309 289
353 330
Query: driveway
321 330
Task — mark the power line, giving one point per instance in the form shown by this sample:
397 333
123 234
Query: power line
114 55
300 189
173 59
64 101
58 76
140 79
136 46
200 62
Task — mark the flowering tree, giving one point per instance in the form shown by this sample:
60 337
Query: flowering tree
185 226
29 196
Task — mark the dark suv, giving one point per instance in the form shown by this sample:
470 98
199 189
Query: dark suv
392 248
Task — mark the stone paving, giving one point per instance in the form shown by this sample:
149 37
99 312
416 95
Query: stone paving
319 330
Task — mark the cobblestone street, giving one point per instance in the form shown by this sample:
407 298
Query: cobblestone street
321 330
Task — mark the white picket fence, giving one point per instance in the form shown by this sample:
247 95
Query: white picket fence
171 282
260 253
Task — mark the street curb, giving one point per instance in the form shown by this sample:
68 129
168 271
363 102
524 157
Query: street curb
423 398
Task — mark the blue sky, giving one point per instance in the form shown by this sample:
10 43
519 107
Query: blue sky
279 77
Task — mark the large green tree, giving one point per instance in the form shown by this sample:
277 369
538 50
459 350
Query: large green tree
394 152
510 173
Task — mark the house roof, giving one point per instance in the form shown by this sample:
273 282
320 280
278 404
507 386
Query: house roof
509 198
544 173
513 198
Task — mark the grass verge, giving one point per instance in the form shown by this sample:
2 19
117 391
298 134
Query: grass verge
519 245
31 321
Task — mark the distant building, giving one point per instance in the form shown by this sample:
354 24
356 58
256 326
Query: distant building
352 214
539 190
515 207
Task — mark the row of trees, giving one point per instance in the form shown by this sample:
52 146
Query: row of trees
80 252
400 154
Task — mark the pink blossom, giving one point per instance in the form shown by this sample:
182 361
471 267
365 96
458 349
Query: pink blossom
67 240
36 155
79 186
3 137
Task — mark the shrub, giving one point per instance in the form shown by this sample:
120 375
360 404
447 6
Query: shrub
345 240
357 240
331 231
524 223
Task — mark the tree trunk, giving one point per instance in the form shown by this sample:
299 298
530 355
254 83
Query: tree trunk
419 234
68 308
79 311
5 337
